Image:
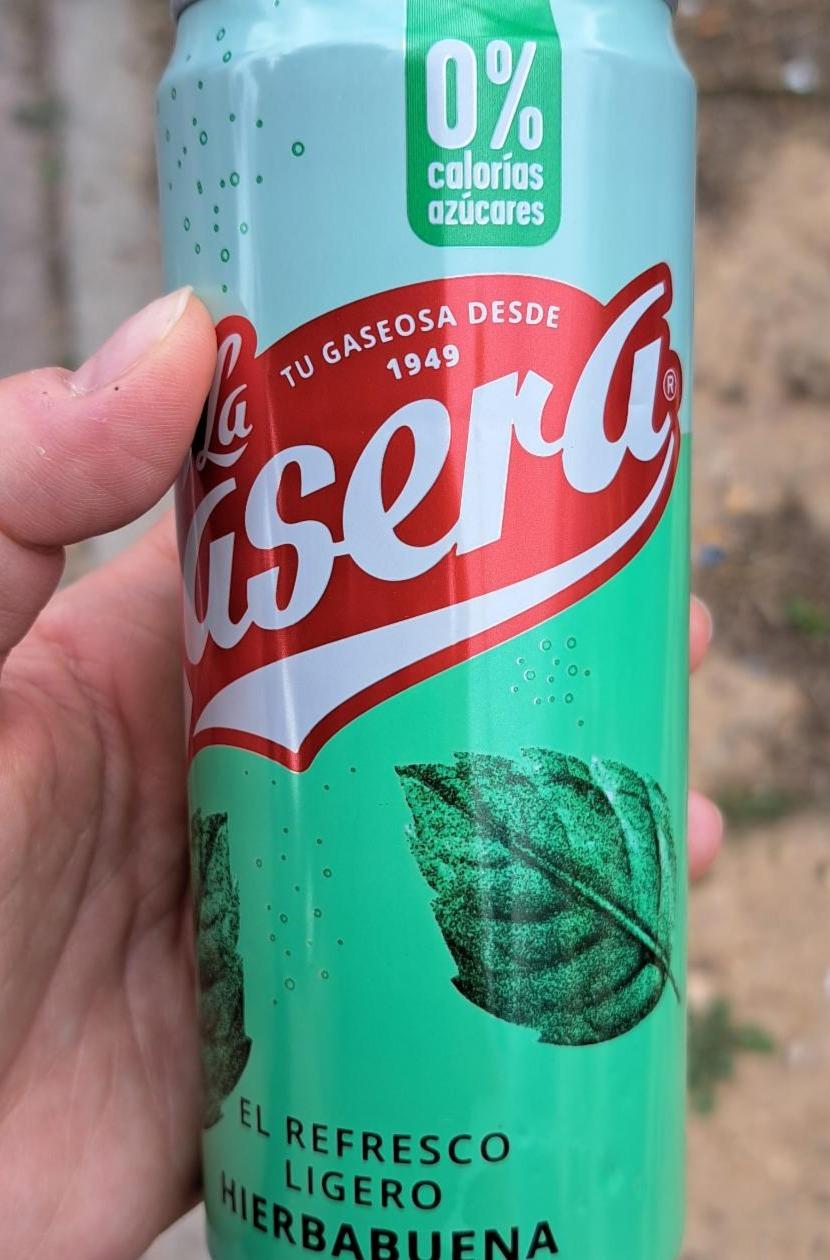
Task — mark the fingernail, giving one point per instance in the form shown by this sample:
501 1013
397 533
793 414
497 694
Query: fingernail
707 616
704 809
710 618
137 337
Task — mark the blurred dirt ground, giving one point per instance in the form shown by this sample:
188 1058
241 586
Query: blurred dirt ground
79 246
760 1162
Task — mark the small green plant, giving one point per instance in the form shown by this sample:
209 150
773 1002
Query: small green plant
715 1041
39 115
745 807
809 619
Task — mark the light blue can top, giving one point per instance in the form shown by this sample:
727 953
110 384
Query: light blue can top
179 6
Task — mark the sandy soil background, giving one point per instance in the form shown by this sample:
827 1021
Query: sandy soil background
79 246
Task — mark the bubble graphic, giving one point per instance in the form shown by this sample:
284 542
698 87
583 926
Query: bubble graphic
260 124
569 698
187 225
203 138
572 671
259 863
220 34
545 645
514 691
530 675
225 255
272 938
243 228
174 94
324 975
259 179
289 984
227 56
283 918
327 872
318 914
234 179
571 643
298 148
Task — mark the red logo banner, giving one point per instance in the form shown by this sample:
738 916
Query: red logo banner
407 482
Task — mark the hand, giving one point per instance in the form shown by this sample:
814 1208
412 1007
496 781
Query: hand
99 1106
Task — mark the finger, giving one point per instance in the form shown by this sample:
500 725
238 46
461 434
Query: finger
89 452
702 631
706 828
129 610
121 626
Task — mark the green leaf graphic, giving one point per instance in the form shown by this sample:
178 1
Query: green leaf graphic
225 1047
555 888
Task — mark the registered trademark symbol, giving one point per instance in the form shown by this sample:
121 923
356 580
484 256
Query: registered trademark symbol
670 385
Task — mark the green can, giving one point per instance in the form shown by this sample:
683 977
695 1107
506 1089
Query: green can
435 541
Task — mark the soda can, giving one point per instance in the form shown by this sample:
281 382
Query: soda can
435 547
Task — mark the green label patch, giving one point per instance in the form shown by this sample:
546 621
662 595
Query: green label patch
484 122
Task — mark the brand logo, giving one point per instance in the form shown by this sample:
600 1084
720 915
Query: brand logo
407 482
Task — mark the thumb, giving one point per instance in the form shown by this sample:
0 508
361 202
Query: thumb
90 451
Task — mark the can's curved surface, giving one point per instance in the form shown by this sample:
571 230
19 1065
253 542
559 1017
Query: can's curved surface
435 552
178 6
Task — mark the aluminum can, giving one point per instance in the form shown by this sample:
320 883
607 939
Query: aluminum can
434 535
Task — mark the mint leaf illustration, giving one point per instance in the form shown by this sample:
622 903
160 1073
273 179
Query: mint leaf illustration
555 888
225 1046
